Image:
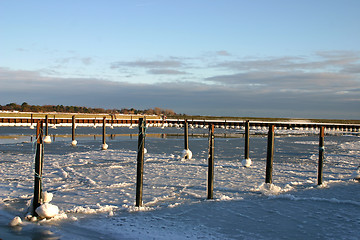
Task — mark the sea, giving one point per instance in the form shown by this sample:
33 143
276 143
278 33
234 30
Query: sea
95 189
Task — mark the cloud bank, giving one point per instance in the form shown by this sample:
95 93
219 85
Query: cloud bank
327 86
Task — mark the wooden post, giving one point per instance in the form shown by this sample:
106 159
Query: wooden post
104 145
210 185
270 155
104 131
46 125
140 162
73 128
321 155
186 135
47 138
247 139
74 142
38 167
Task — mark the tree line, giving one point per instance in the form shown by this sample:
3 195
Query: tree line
25 107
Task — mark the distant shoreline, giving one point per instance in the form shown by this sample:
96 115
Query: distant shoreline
6 114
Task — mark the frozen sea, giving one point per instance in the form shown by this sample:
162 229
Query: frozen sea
95 189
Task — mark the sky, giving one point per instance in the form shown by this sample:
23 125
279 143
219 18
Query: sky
253 58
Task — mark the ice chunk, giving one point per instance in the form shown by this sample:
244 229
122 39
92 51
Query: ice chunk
47 210
246 162
15 222
73 143
47 197
186 154
47 139
104 146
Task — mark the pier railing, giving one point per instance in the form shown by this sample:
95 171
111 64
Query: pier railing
194 123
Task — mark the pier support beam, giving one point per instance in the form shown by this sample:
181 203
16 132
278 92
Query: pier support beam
104 146
210 183
321 155
38 167
140 162
47 138
247 140
186 135
186 153
73 121
270 155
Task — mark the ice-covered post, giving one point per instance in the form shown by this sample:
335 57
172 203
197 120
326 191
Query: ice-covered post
246 162
47 138
74 142
247 139
31 121
210 185
321 155
104 146
186 135
186 154
270 155
38 167
140 162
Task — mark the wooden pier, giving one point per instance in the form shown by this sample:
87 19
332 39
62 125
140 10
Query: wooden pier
193 123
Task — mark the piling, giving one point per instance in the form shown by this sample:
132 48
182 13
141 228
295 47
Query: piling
104 145
46 125
38 167
186 135
210 185
47 138
270 155
321 155
74 142
247 140
140 162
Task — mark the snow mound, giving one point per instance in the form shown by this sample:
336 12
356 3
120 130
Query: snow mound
47 197
104 146
270 189
246 162
186 154
15 222
47 210
47 139
73 143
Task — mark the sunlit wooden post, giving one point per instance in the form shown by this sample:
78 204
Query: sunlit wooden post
321 155
73 124
104 145
140 162
210 185
186 135
38 167
46 125
247 139
47 138
270 155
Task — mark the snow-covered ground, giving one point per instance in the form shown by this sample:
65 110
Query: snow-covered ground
95 189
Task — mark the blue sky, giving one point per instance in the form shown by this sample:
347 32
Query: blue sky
257 58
